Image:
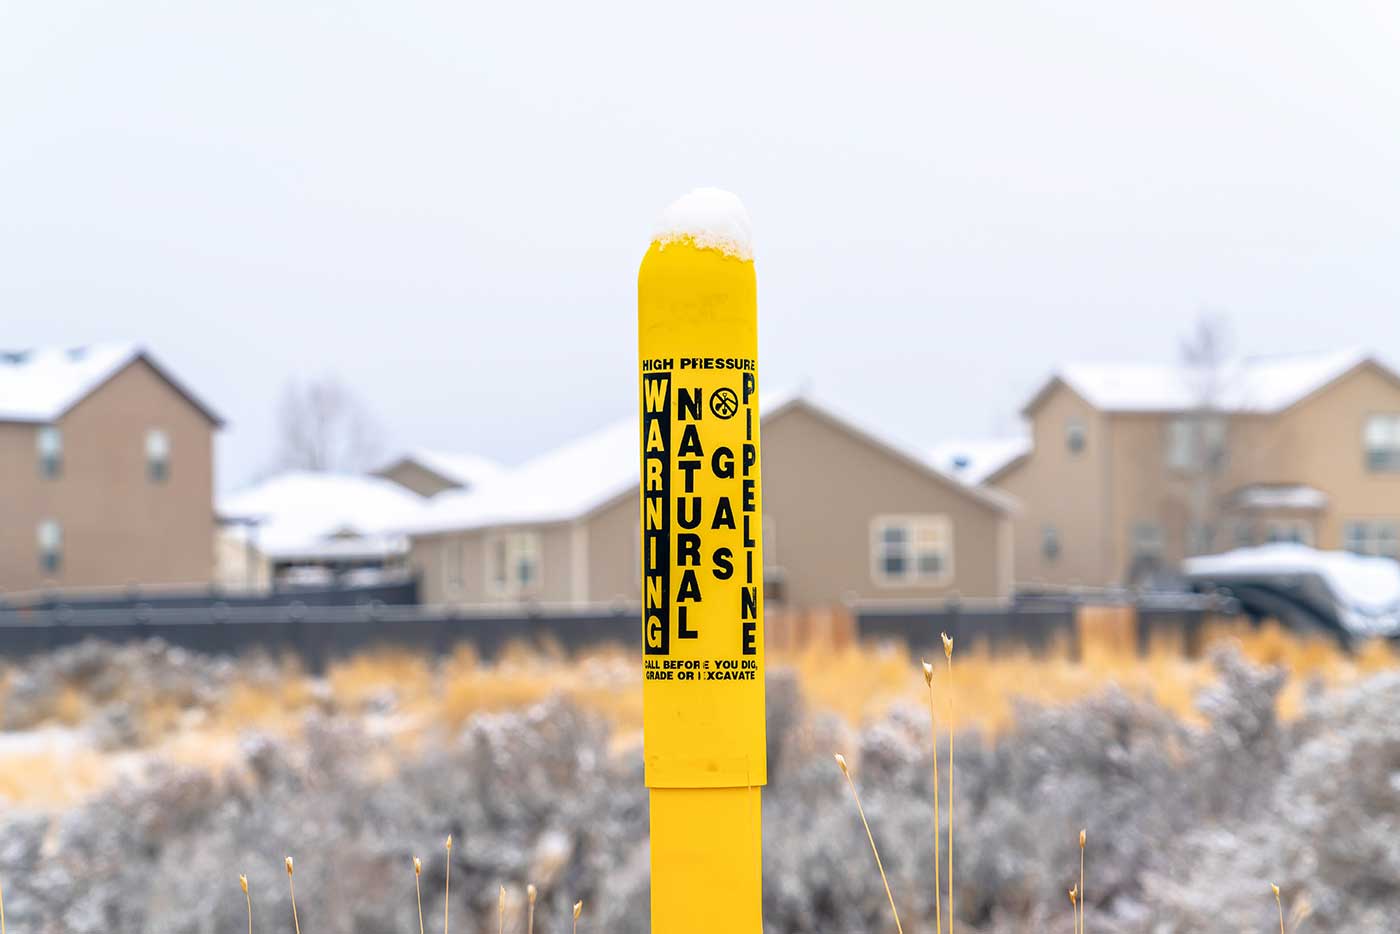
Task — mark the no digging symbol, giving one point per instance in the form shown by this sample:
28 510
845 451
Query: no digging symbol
724 403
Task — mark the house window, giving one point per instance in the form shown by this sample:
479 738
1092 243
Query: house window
912 550
1195 442
1050 542
1076 435
1383 443
1289 532
453 578
50 546
1200 538
1244 533
50 446
513 563
157 455
770 542
1148 541
1372 537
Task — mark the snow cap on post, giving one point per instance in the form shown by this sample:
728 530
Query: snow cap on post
712 219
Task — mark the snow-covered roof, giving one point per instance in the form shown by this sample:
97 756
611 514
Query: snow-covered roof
571 481
1251 384
300 513
1279 496
712 218
974 461
460 467
557 486
41 384
1366 590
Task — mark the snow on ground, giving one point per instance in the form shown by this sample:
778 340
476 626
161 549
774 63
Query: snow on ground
45 740
713 218
1367 590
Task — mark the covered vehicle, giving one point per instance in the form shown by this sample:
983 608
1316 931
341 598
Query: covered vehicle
1356 597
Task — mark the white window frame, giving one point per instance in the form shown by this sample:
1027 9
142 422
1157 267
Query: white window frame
1377 537
512 547
1389 545
1244 533
1196 441
937 527
1180 444
1200 537
454 572
1381 442
157 451
769 540
48 444
1075 428
50 541
1148 539
1281 531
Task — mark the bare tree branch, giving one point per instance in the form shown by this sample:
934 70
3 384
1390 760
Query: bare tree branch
322 426
1205 359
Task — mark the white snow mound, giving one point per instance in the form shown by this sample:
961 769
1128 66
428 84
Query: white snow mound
714 219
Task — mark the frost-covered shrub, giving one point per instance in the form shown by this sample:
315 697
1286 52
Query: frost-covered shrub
1187 826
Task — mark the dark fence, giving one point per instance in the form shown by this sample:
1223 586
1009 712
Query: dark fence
394 593
1033 627
1183 623
317 635
1039 623
319 627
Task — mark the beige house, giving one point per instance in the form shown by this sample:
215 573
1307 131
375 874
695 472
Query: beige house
1133 468
106 472
847 517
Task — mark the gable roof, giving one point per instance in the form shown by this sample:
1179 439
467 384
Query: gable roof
582 476
977 461
1252 384
42 384
993 499
459 467
302 512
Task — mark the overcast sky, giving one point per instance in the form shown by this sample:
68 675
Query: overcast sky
445 203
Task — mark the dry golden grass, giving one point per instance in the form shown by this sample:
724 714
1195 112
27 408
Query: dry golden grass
71 707
358 679
850 782
862 682
855 681
604 681
53 779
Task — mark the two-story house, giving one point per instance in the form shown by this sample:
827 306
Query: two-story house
106 471
1131 468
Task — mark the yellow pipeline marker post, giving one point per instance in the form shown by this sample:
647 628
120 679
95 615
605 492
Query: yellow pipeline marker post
702 568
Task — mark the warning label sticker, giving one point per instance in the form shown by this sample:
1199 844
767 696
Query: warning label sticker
702 567
708 519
